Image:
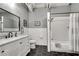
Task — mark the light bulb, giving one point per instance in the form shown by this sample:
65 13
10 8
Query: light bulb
12 5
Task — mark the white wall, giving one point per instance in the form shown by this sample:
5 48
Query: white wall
38 33
38 15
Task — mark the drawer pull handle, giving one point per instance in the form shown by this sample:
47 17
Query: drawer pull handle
20 42
2 51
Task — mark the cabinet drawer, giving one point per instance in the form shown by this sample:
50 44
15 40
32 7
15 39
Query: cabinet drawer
15 48
3 52
10 49
24 46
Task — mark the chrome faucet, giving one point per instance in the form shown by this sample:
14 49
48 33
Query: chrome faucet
10 34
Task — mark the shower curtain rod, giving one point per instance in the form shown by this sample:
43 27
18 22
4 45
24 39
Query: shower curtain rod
64 13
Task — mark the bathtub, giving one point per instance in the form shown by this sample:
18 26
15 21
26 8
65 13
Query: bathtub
61 46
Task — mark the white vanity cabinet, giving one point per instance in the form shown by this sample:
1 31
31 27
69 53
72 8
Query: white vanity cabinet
18 47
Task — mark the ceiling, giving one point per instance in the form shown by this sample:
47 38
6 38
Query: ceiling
31 6
45 5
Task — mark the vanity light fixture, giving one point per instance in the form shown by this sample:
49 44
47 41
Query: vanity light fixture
12 5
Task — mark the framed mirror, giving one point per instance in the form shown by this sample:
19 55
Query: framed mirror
9 22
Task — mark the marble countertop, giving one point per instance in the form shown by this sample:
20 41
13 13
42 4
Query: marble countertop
8 40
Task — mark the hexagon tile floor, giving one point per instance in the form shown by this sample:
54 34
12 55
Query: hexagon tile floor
42 51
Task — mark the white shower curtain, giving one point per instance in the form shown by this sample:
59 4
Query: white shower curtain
74 31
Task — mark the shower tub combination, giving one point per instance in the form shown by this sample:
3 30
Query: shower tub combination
64 31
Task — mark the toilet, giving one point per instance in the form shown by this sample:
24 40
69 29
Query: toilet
32 44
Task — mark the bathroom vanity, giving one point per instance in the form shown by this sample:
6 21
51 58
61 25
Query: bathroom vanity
16 46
